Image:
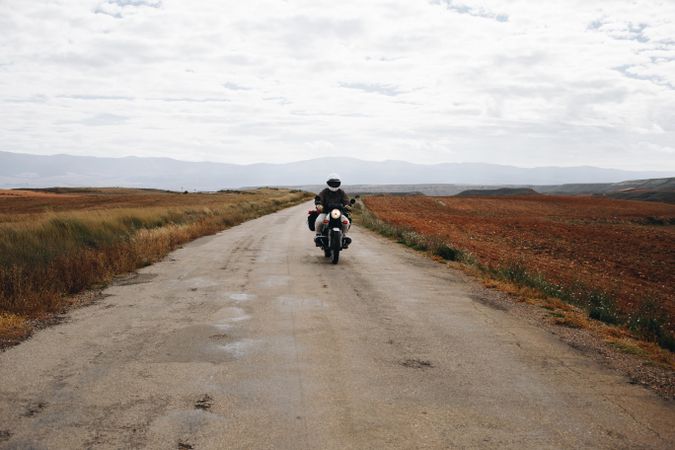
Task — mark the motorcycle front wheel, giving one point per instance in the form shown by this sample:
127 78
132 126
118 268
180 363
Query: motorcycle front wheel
335 244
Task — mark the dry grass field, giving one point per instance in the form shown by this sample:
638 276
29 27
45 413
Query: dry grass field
614 258
59 242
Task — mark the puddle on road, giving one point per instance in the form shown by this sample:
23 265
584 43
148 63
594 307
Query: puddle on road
241 297
225 318
223 327
238 349
230 314
201 343
192 344
239 318
216 342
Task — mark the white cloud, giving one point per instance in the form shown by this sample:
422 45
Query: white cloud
564 82
475 10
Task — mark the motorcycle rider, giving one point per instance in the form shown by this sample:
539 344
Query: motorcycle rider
331 197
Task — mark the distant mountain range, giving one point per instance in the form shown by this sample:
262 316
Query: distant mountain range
18 170
655 189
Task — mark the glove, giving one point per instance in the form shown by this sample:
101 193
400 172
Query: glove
319 208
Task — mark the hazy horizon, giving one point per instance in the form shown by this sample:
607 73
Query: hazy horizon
21 170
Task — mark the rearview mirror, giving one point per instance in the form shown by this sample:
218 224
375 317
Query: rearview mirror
352 201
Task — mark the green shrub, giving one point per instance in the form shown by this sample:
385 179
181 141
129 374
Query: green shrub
650 322
602 307
448 253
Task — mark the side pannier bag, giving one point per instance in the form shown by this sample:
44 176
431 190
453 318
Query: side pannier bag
311 219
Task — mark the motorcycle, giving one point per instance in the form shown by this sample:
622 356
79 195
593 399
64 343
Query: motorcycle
332 240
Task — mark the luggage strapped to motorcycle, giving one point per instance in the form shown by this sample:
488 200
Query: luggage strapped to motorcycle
311 219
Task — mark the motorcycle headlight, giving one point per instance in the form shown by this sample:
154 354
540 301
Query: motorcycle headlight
335 214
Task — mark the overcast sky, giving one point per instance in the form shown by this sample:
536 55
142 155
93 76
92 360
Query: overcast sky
514 82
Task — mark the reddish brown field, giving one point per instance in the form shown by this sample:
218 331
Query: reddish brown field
620 247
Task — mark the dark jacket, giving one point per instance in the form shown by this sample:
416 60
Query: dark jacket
329 199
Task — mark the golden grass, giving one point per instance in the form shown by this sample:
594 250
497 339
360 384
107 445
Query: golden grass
570 321
13 328
627 346
46 256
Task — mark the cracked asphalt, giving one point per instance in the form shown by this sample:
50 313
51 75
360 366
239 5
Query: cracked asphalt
251 339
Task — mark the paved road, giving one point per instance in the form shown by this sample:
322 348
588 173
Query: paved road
251 339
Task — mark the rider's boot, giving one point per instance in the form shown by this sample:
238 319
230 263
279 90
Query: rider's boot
318 240
346 241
